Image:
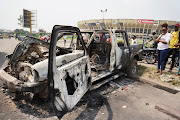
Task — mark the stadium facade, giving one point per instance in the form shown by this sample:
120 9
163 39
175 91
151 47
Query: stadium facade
142 28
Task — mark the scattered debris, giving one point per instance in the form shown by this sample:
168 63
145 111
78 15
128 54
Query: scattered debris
125 106
167 78
147 103
114 92
124 88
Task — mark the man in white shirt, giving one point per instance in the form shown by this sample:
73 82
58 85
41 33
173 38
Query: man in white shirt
133 40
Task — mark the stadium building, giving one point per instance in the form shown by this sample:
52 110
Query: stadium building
142 28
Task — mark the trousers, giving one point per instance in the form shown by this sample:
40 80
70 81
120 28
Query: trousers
162 58
173 52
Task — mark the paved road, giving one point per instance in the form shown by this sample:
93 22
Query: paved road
6 47
132 101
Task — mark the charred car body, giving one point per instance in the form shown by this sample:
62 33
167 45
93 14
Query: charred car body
69 72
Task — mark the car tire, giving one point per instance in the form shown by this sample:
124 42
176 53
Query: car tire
131 70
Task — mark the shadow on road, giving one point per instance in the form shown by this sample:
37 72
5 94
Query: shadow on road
94 101
2 58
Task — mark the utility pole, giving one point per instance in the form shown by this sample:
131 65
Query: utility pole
103 11
30 24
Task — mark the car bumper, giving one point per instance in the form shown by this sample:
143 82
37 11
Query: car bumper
15 85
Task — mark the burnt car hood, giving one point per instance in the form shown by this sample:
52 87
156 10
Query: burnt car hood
41 68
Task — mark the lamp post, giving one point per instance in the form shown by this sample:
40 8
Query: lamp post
103 11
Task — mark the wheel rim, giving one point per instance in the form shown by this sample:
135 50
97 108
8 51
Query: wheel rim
134 69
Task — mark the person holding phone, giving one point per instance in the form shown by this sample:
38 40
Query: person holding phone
162 47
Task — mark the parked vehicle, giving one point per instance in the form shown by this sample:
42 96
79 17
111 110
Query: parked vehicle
149 54
1 36
46 38
7 36
20 38
69 72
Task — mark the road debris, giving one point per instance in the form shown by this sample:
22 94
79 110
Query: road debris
166 78
124 107
147 103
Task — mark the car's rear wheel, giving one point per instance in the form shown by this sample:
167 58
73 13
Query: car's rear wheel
131 70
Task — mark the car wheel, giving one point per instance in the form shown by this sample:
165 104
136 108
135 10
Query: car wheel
131 70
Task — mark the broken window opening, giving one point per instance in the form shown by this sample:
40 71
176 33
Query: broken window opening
71 84
121 39
99 52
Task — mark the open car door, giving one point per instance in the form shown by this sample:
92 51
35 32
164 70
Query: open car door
68 74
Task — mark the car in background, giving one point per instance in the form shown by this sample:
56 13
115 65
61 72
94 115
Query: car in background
20 38
12 35
1 36
7 36
46 38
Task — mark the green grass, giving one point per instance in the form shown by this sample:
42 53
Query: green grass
143 69
176 82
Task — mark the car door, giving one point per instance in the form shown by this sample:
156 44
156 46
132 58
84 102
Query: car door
69 78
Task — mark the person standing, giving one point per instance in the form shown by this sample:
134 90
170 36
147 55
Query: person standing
85 37
133 40
178 74
162 47
154 40
65 39
173 50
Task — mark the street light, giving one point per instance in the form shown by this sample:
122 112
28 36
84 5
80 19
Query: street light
103 11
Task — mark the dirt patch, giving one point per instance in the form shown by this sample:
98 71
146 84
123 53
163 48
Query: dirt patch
148 72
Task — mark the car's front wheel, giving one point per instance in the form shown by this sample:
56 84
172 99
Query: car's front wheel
131 70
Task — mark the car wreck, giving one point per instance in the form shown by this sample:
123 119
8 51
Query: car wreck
67 73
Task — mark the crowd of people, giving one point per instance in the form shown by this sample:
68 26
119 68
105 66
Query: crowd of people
167 44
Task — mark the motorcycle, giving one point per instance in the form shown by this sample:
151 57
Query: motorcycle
149 54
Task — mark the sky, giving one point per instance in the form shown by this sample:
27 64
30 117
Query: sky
69 12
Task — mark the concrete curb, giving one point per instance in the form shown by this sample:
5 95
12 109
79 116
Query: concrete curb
159 86
169 111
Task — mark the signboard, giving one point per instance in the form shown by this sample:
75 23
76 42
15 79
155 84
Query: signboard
27 18
145 21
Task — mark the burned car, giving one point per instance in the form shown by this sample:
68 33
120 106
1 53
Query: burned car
66 73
